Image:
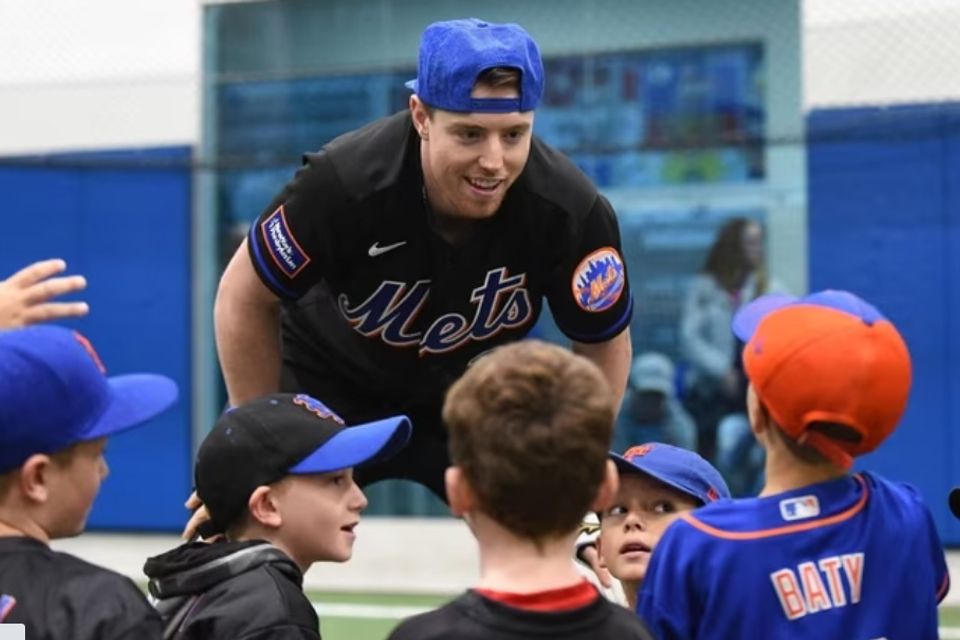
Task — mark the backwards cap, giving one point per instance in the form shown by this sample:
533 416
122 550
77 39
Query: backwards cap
454 53
54 393
278 435
827 357
682 469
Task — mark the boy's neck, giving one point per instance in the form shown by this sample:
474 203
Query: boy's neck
16 525
511 564
784 472
630 589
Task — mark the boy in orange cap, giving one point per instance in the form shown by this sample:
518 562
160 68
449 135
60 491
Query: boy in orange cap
821 553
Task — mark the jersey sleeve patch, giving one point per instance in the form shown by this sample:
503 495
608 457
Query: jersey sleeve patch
283 248
599 280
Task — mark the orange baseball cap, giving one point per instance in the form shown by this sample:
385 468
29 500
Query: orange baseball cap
827 357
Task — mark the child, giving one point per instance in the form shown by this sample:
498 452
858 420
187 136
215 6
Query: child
276 476
530 425
57 408
821 553
658 482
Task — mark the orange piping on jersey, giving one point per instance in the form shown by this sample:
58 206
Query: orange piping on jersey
944 587
793 528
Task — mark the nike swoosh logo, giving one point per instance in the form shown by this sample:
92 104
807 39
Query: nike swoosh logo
376 250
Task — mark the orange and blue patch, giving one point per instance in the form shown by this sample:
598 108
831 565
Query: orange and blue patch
7 603
599 280
316 407
287 254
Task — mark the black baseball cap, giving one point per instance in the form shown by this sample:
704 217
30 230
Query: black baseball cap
278 435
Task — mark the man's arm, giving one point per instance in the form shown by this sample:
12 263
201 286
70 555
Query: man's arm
613 357
247 326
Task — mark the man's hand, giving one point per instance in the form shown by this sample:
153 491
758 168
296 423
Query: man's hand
588 553
200 515
24 296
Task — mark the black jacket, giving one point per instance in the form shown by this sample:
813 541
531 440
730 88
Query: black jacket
59 596
231 591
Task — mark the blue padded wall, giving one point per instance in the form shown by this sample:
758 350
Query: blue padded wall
122 219
883 212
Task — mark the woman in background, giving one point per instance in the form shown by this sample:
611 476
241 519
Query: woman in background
733 274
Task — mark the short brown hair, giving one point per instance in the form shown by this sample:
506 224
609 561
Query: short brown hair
530 426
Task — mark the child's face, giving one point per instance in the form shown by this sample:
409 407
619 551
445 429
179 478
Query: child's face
319 514
632 526
74 484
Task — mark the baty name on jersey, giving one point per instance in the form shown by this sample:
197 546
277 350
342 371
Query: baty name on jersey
812 587
501 302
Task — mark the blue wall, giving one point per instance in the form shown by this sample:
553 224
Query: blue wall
122 219
884 213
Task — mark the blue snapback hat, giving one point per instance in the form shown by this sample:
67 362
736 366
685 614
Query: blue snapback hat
454 53
283 434
54 393
684 470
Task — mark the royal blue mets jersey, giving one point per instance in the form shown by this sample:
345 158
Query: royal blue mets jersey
856 558
374 295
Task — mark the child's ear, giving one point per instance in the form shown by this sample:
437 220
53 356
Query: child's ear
608 488
459 492
264 507
34 481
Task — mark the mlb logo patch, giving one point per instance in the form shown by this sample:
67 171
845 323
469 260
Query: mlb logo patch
281 244
800 508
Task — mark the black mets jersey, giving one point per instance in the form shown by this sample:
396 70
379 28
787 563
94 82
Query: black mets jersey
373 294
477 616
57 596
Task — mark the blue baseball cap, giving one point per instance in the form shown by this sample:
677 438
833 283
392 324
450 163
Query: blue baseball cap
682 469
454 53
283 434
55 393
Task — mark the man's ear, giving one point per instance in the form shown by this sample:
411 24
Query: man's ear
420 116
608 488
34 480
264 507
460 494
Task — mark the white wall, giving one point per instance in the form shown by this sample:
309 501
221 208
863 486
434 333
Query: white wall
78 74
82 74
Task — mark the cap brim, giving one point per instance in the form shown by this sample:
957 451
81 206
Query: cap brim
748 318
357 445
135 399
746 321
411 84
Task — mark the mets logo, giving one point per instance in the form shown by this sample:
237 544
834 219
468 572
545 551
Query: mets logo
599 280
313 405
88 347
637 452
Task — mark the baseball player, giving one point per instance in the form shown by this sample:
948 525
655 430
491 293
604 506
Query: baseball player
402 251
57 408
25 296
821 553
530 425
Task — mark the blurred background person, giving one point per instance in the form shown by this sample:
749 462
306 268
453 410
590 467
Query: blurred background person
733 274
651 410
